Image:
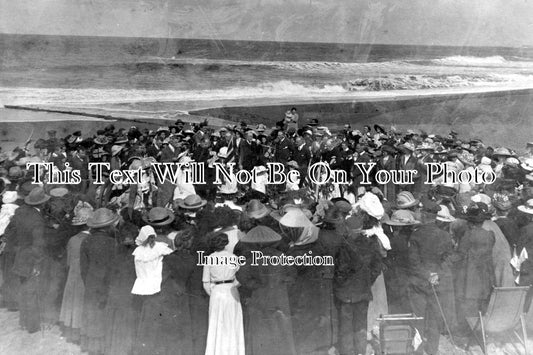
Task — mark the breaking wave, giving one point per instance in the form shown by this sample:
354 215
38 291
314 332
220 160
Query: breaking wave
493 61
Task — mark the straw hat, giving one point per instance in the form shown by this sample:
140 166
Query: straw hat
102 217
502 151
294 218
81 215
116 149
255 209
444 214
36 197
58 191
527 207
402 218
405 199
192 202
159 216
260 234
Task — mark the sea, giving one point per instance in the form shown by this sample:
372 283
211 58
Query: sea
73 71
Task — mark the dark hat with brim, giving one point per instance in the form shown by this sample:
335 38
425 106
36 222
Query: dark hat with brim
260 234
192 202
159 216
36 197
102 217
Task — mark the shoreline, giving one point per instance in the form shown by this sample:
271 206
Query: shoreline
503 116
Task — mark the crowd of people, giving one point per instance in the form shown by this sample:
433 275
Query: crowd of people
117 267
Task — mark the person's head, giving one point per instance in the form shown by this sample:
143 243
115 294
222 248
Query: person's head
218 242
281 135
205 143
184 239
82 152
293 110
367 129
228 135
299 140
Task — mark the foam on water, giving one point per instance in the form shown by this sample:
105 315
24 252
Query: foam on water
74 97
492 61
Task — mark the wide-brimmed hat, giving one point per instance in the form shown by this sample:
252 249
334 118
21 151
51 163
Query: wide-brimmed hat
255 209
502 151
116 149
192 202
159 216
408 146
527 207
444 214
527 164
58 191
405 199
121 139
402 218
260 234
36 197
101 140
81 215
102 217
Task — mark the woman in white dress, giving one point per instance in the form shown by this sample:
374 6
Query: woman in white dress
225 334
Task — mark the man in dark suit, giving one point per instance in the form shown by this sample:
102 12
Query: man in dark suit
283 149
248 152
79 161
407 161
302 156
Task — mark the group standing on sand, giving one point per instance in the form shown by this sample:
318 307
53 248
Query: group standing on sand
116 266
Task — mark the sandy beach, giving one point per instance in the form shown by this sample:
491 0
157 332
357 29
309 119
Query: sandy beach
500 116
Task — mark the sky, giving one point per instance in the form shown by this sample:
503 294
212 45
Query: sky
423 22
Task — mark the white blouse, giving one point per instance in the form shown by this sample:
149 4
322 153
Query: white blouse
149 268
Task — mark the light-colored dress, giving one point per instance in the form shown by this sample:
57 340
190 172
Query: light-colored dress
225 334
149 268
74 292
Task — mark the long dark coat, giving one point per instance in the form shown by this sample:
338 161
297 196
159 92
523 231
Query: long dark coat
96 261
165 325
121 315
311 302
30 265
357 265
397 270
475 276
268 325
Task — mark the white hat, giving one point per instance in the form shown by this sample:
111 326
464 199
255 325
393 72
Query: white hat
444 214
370 204
486 161
9 197
223 152
527 207
144 234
